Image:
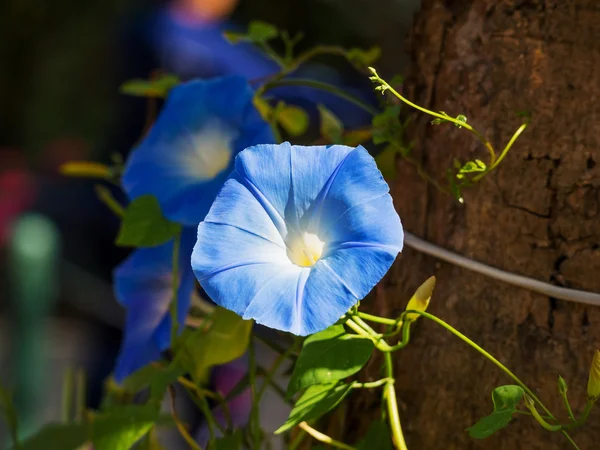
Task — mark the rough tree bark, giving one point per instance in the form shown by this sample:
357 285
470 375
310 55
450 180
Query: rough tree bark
537 215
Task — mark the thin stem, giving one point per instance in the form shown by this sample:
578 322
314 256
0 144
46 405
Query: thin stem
67 395
297 440
494 360
371 384
273 369
504 152
323 437
530 404
81 401
447 118
377 319
366 327
107 198
180 426
563 394
175 288
323 87
498 364
197 393
389 395
254 413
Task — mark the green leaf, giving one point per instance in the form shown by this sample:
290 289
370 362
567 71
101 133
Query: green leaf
144 225
231 442
158 87
506 399
234 37
363 58
471 167
259 31
293 120
316 401
121 427
387 127
328 356
331 127
69 436
227 339
386 162
9 412
156 377
461 118
377 437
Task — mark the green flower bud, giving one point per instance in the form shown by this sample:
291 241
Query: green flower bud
593 388
420 299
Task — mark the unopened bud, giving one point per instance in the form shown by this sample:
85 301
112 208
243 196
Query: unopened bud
85 169
420 299
562 385
593 388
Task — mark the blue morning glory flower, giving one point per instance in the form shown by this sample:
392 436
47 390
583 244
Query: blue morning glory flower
188 153
297 235
143 285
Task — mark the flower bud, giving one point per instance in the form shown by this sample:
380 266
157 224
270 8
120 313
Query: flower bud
85 169
420 299
593 388
562 385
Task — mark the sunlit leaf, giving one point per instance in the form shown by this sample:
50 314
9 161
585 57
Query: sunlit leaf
331 127
316 401
328 356
506 399
259 31
386 162
363 58
226 339
121 427
144 225
293 120
158 87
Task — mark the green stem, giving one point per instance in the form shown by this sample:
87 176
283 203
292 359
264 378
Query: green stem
321 437
323 87
198 396
563 394
498 364
530 404
389 395
175 288
297 440
67 395
371 384
273 369
254 413
377 319
504 152
447 118
107 198
494 360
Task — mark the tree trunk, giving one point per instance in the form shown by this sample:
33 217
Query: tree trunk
536 215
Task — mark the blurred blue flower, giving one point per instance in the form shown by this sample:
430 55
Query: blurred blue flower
143 285
186 157
297 235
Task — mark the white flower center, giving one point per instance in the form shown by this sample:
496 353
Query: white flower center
209 150
305 250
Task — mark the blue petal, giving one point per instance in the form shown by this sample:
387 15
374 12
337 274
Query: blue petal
143 286
232 274
188 153
301 172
